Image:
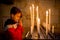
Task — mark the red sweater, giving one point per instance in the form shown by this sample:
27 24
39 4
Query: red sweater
15 34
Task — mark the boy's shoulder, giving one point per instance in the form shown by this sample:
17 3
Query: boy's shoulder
9 21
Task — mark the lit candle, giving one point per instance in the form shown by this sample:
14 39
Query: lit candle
37 16
33 13
49 19
38 21
37 11
32 17
46 22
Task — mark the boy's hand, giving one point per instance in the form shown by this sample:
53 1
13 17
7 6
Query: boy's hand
9 26
15 26
20 23
12 26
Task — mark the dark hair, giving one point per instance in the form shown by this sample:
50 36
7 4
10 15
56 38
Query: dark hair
15 10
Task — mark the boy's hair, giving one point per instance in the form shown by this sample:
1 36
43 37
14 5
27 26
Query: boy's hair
15 10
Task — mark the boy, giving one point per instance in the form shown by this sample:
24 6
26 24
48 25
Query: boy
13 26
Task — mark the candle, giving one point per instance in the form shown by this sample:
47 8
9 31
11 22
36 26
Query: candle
37 11
33 13
38 21
32 17
37 15
52 29
46 22
27 34
49 19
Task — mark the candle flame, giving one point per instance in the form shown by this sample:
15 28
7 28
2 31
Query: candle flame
39 20
46 13
37 8
33 5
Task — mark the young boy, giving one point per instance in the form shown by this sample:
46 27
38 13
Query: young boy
13 27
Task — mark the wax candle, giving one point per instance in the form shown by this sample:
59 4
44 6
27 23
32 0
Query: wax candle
32 17
38 20
46 22
52 29
49 19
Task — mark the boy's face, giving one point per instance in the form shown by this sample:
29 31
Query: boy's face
16 17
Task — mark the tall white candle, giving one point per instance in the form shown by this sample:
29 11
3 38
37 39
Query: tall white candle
46 22
32 17
37 11
37 16
38 20
33 13
49 19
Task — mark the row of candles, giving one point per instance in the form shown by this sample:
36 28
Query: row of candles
48 19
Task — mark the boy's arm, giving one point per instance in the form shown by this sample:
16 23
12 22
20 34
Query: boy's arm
20 25
13 30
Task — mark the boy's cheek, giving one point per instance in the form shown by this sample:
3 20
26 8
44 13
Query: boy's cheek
16 20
